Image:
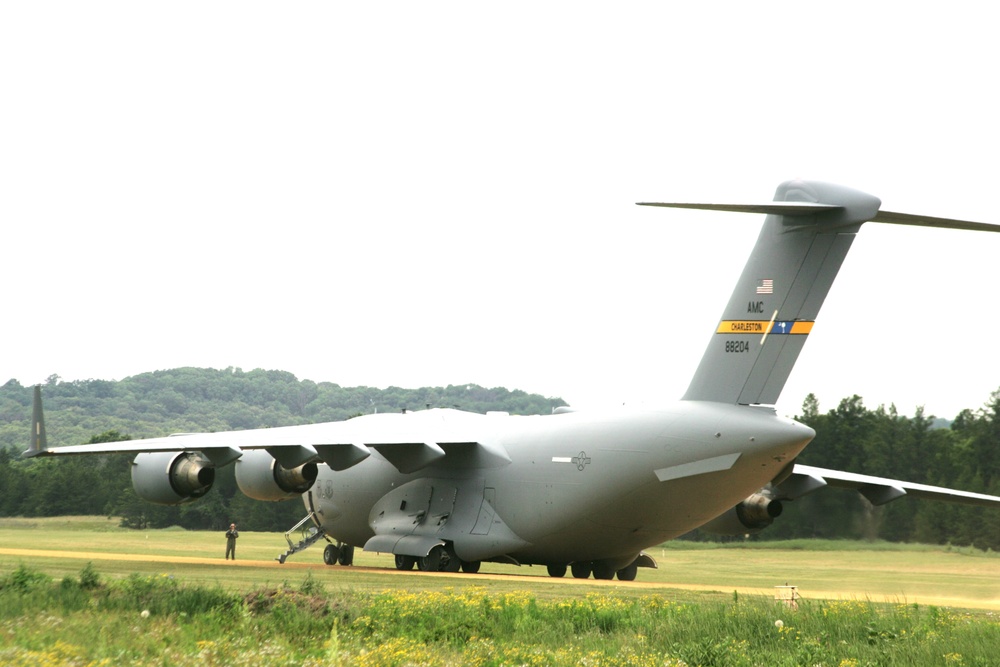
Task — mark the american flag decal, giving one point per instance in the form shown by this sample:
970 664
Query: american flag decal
765 286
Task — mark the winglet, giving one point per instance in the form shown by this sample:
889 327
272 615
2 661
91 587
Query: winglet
38 445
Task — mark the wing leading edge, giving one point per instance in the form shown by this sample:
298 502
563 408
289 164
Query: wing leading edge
879 490
410 442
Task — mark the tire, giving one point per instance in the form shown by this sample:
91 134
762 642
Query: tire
580 570
432 561
471 567
346 555
450 561
405 562
603 571
331 554
557 571
628 573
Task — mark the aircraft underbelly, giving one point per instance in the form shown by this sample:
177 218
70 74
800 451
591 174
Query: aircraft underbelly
648 515
620 500
679 505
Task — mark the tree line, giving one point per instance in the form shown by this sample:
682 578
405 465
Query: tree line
881 442
186 400
962 454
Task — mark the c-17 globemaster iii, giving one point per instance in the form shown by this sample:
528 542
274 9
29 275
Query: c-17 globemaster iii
583 490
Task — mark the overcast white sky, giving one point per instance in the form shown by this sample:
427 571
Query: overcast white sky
415 194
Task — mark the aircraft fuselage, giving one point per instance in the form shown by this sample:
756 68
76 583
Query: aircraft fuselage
577 486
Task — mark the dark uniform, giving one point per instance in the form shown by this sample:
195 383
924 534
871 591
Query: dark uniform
231 536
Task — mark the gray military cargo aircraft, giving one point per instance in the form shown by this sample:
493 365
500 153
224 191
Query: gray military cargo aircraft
581 490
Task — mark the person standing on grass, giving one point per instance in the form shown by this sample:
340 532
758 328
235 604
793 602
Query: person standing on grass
231 536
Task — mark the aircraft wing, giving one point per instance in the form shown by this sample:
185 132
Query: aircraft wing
408 441
222 447
879 490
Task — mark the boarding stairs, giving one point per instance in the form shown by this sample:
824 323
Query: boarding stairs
308 536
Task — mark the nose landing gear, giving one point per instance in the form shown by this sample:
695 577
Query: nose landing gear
338 554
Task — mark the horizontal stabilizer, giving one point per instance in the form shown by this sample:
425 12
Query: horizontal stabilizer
794 208
928 221
769 208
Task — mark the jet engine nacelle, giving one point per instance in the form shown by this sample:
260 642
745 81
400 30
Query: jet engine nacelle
260 477
172 478
751 516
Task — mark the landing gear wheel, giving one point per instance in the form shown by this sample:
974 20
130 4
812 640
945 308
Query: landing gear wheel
346 555
580 570
603 571
471 567
331 554
450 562
440 559
557 571
405 562
628 573
432 561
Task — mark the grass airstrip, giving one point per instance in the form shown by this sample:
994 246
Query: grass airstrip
82 591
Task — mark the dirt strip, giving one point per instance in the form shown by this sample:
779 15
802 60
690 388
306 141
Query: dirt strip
967 603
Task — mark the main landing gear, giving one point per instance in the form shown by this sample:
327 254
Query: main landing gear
599 569
439 559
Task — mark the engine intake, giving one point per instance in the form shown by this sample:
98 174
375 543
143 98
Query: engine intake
172 478
261 477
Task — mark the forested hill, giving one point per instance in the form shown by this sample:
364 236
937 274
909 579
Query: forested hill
180 401
187 400
851 437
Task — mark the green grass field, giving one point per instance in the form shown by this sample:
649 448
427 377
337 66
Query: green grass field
81 591
821 569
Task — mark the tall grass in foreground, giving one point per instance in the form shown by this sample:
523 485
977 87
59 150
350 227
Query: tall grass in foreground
156 620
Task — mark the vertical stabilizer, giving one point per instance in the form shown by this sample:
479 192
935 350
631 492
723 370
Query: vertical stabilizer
38 442
808 230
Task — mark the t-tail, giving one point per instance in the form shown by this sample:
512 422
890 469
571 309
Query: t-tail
809 228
